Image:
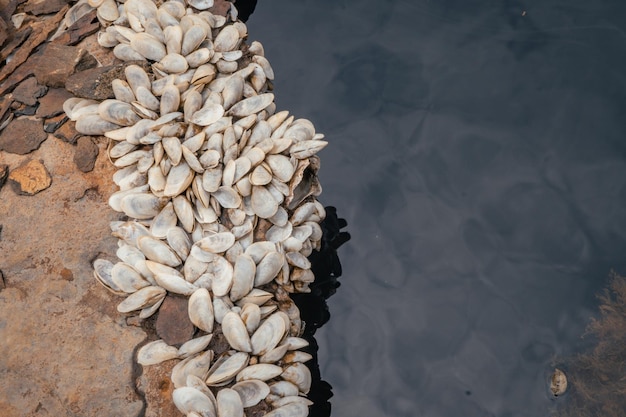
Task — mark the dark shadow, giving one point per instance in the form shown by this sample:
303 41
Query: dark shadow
245 8
313 308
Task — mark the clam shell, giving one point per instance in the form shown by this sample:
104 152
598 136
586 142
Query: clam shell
281 166
269 333
173 149
233 90
200 309
165 220
194 268
227 39
256 296
173 37
194 346
251 316
178 179
200 4
156 352
102 271
127 53
294 409
284 388
217 243
268 268
148 46
208 114
263 203
184 212
222 276
297 259
142 205
179 241
170 279
306 149
170 100
93 124
198 57
299 374
229 403
192 38
158 251
251 392
228 368
261 372
144 297
188 400
173 63
122 91
259 249
275 355
243 277
251 105
197 365
235 332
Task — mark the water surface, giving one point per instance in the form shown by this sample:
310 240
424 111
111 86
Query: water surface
478 152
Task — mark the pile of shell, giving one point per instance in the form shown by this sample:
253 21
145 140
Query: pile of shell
220 191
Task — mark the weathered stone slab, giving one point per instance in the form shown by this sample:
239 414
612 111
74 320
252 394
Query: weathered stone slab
38 7
22 136
67 132
95 83
52 103
173 324
28 91
57 62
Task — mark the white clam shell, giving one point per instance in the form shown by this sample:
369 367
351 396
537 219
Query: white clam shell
294 409
156 352
235 332
200 309
170 279
208 114
148 46
217 243
243 277
251 316
227 39
93 124
193 346
228 368
179 241
251 392
303 150
192 38
222 276
200 4
188 400
284 388
268 268
184 212
229 403
102 271
299 374
263 202
275 355
158 251
165 220
178 179
144 297
261 372
269 333
251 105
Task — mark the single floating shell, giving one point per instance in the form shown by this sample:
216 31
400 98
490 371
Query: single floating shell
558 383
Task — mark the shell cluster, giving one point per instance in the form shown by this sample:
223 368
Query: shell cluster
219 189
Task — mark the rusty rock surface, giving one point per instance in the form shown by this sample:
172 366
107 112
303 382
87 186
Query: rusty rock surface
22 136
65 349
30 178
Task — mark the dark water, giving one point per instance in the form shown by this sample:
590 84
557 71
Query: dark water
478 154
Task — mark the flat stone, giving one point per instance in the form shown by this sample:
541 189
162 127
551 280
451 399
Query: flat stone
30 178
57 63
52 124
28 91
156 385
4 31
67 132
173 324
95 83
22 136
52 103
38 7
83 27
86 153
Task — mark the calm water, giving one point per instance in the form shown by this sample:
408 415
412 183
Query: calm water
479 157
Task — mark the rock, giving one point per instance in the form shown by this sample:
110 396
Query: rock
85 154
95 83
173 324
28 91
52 103
52 124
57 63
83 27
22 136
30 178
38 7
4 173
4 33
156 387
67 132
7 7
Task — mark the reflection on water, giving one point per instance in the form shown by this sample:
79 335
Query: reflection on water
478 154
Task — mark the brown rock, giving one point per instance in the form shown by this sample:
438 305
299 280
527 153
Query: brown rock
95 83
52 103
52 124
30 178
86 153
7 7
173 324
28 91
156 385
83 27
57 63
38 7
67 132
40 33
22 136
4 31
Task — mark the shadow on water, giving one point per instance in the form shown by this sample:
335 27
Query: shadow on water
597 379
313 308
